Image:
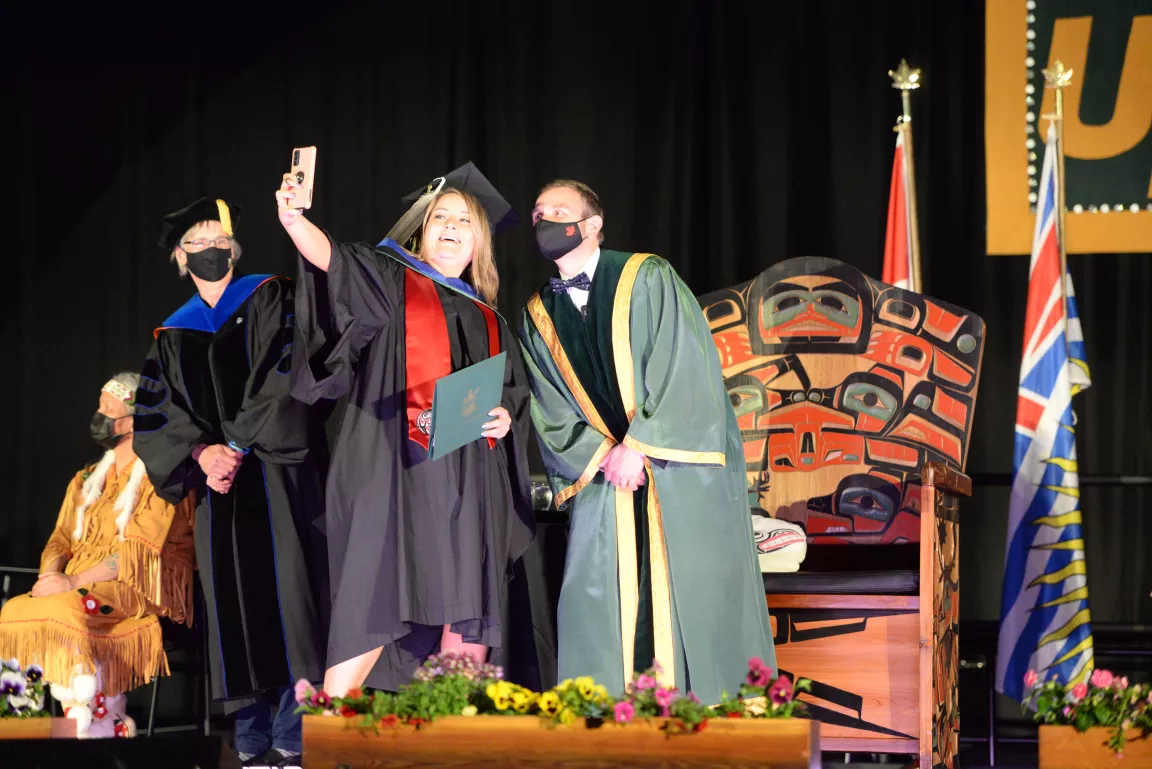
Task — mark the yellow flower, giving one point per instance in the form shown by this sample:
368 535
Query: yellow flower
500 693
522 700
564 685
586 686
549 703
469 710
567 716
601 694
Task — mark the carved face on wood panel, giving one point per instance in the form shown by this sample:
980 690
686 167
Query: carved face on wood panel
843 387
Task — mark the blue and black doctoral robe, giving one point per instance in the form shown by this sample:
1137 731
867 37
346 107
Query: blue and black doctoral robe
220 375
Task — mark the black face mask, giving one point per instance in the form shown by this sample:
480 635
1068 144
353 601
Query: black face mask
102 429
557 239
211 264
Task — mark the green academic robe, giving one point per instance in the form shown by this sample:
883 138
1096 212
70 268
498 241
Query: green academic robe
669 571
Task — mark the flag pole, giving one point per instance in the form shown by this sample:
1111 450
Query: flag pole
905 79
1057 78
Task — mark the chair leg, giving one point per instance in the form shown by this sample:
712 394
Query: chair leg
152 707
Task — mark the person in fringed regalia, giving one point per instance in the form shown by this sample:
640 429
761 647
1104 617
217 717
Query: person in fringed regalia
641 444
119 558
215 415
421 551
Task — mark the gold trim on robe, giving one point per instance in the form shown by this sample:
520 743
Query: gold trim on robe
627 565
676 455
658 554
586 477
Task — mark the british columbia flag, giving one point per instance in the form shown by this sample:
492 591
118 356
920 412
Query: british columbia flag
1044 605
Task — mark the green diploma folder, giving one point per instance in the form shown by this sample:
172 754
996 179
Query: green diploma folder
461 404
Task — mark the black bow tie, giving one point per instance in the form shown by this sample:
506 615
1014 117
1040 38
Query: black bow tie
581 282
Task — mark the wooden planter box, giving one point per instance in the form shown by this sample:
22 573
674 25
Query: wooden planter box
1062 747
36 728
509 741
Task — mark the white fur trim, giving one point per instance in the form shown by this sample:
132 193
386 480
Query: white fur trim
126 502
90 492
94 486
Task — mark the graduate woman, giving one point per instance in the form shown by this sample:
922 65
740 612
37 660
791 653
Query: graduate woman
420 551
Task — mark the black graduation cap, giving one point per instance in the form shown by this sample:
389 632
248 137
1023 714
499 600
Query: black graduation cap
203 210
469 179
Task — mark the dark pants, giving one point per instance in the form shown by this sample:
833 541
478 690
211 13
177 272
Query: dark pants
257 729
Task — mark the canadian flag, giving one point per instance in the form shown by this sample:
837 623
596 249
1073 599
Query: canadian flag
898 269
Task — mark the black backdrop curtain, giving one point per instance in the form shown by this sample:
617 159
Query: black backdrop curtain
724 136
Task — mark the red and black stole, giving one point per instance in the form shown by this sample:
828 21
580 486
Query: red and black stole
427 354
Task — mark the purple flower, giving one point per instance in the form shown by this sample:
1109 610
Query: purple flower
664 698
34 673
12 664
321 700
12 684
781 690
624 712
645 682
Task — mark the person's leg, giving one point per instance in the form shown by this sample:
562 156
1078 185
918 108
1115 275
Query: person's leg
253 727
286 726
349 674
454 642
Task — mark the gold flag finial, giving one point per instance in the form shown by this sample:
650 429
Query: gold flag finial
1057 76
904 77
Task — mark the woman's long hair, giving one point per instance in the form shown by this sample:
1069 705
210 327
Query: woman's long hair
481 272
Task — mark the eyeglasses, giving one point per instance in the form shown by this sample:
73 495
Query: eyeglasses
200 244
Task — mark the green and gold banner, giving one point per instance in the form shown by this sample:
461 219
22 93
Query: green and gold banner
1107 126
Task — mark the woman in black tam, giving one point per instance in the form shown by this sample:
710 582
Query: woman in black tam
423 551
215 418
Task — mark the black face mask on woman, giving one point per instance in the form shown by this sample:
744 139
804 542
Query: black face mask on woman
211 264
103 429
557 239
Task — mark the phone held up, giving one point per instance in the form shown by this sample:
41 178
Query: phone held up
304 172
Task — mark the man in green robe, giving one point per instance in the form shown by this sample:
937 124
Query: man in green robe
641 446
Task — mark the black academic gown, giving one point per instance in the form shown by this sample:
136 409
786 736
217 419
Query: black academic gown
416 544
217 375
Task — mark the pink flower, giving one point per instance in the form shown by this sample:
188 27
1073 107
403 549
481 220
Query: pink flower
304 691
320 700
645 682
1121 683
1078 692
1030 678
1102 678
624 712
1067 710
759 674
664 697
781 690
